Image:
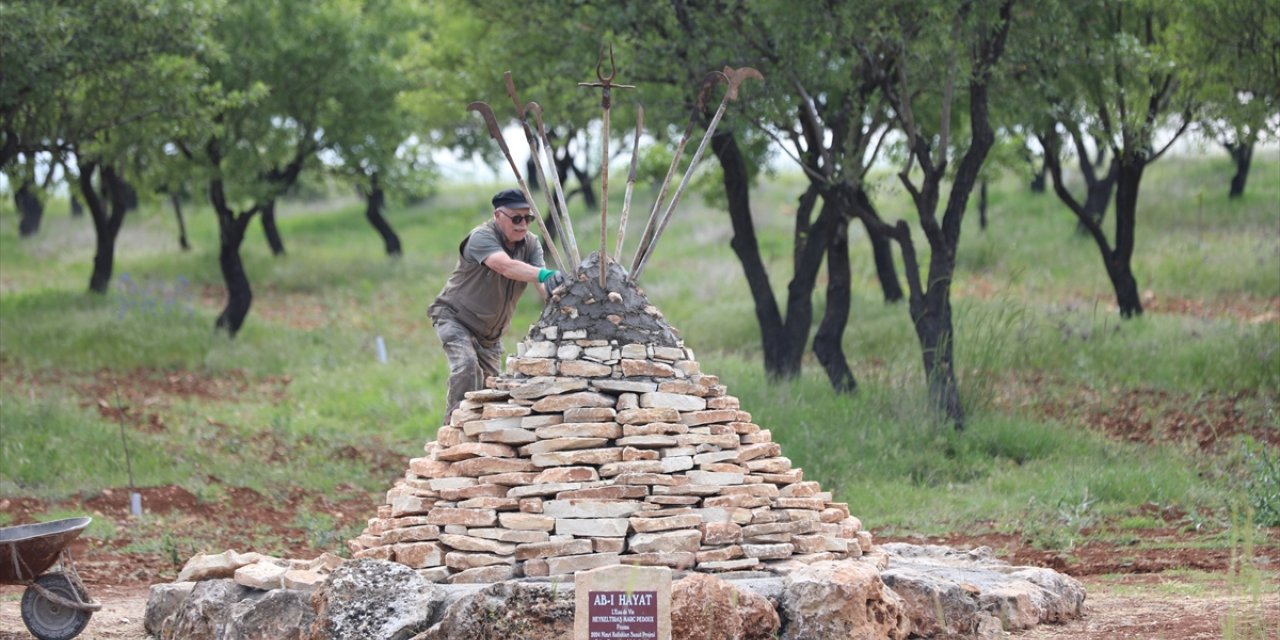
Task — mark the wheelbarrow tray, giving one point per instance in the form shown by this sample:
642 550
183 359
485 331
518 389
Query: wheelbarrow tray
27 550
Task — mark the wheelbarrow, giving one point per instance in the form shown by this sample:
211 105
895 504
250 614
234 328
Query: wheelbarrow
55 605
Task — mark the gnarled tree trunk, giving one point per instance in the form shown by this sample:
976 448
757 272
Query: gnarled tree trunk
231 229
982 205
374 201
800 289
30 209
1242 157
176 201
828 344
881 247
1037 179
744 244
107 218
269 228
937 342
1120 262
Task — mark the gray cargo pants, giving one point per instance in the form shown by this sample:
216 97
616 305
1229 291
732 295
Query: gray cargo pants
470 362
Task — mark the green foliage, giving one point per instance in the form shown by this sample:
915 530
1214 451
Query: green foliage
1263 484
1227 42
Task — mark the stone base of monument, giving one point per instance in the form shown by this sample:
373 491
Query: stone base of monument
899 591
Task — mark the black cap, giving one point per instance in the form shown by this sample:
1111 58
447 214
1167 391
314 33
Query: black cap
510 199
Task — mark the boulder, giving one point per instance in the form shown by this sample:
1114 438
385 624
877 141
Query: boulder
162 602
373 599
529 611
841 599
281 614
974 594
203 614
708 608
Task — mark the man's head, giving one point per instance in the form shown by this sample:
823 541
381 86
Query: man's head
511 211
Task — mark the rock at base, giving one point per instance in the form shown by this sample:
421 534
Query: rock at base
842 600
374 599
707 608
203 613
162 602
975 595
529 611
281 614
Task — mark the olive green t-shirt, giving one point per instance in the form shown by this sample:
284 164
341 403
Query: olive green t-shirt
478 297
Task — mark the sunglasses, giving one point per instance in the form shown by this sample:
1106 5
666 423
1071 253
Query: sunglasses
517 219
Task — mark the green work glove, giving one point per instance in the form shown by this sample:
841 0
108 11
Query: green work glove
553 280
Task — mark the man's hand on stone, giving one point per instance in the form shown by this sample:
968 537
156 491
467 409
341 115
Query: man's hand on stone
555 279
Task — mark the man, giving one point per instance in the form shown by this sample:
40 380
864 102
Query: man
495 262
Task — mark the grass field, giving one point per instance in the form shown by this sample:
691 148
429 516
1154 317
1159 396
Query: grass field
1076 418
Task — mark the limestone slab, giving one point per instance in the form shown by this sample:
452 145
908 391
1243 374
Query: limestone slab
527 521
553 549
562 444
665 542
559 403
561 565
657 399
615 386
648 525
472 543
580 430
589 508
598 527
481 466
577 457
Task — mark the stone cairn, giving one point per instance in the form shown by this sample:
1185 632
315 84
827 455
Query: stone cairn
604 443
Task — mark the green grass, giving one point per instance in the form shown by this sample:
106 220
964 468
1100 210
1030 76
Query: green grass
1036 330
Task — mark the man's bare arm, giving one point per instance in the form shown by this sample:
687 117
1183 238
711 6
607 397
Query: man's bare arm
513 269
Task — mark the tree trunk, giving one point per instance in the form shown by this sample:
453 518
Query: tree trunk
30 209
1098 195
931 308
9 148
1242 156
881 248
107 219
231 228
982 205
130 196
1038 179
828 341
1119 266
937 339
269 228
744 244
531 173
77 209
800 289
176 201
239 294
374 200
804 219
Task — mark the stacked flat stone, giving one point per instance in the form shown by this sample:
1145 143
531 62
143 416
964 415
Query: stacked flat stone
596 449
